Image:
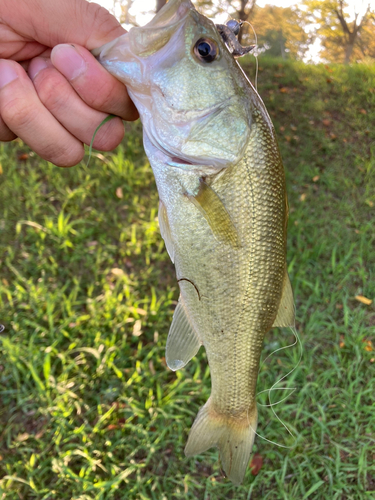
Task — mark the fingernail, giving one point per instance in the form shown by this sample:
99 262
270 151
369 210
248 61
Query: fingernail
8 73
37 65
68 61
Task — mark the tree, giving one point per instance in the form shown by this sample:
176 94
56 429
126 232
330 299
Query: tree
237 9
281 30
340 36
126 17
365 48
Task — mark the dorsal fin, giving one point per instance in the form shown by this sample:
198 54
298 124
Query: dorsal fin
183 342
285 314
215 213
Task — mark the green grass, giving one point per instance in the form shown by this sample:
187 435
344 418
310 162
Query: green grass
89 409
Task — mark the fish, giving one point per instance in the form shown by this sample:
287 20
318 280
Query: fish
223 212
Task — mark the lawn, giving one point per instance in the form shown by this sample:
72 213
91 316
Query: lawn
89 409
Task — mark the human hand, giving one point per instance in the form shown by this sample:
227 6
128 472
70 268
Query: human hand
55 99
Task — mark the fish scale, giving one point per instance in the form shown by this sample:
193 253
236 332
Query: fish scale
222 212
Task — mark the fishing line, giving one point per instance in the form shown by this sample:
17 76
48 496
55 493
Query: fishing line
297 340
255 54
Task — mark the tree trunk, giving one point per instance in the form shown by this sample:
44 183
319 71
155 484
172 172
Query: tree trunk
160 4
242 15
348 52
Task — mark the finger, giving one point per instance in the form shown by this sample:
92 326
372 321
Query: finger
24 114
92 82
6 134
67 107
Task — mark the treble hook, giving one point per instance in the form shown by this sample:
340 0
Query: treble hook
229 32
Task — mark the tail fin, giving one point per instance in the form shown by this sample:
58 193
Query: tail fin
234 438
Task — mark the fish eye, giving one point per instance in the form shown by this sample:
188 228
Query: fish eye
206 50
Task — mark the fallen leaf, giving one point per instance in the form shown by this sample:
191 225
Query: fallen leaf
342 344
363 111
5 282
22 437
372 360
117 271
332 135
1 169
256 464
363 299
316 178
111 427
370 203
282 129
293 128
137 328
284 90
303 197
326 122
119 192
140 311
369 347
311 122
288 138
329 80
23 157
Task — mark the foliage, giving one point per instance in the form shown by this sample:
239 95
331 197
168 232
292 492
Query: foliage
343 39
282 30
89 410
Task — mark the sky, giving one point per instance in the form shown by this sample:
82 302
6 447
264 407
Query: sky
143 9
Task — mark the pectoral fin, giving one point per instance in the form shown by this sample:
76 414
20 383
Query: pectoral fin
285 314
165 230
183 342
217 216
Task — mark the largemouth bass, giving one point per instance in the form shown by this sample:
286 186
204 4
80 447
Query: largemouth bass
222 213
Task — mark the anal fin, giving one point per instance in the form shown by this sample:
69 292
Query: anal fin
285 314
183 342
